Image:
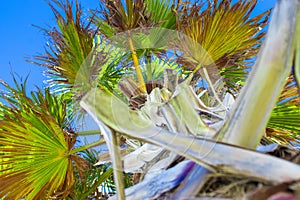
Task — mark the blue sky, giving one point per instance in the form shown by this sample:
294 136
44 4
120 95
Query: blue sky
19 39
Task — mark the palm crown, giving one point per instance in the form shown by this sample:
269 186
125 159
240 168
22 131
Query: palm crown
202 56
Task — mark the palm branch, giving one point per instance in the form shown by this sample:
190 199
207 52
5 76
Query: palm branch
95 181
71 43
75 59
115 16
283 126
124 17
208 153
37 146
34 146
220 35
112 70
161 12
271 70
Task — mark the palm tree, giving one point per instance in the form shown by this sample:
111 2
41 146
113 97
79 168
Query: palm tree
245 125
123 17
188 87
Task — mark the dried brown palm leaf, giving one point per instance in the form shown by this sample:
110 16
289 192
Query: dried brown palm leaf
120 16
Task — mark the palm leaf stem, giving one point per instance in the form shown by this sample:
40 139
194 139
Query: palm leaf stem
136 64
89 132
212 87
85 147
118 169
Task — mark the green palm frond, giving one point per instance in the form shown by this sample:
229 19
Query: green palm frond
76 59
148 42
125 22
220 33
284 124
158 67
33 165
234 76
70 44
94 177
34 146
259 96
117 16
153 39
160 12
290 92
1 111
112 70
54 105
36 140
122 17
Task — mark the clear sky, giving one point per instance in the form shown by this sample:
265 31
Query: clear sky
19 39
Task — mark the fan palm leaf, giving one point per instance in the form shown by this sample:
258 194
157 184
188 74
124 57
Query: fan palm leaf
150 43
123 17
226 34
55 105
159 66
155 40
75 59
118 16
37 146
71 59
72 42
161 13
112 69
284 124
34 146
